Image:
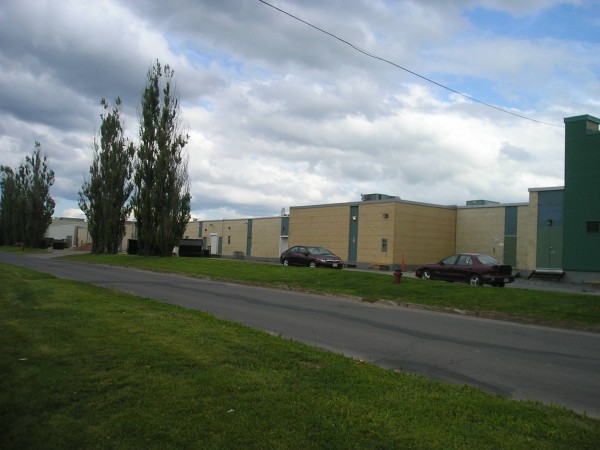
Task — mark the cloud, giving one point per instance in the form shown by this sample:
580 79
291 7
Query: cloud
281 114
520 8
512 153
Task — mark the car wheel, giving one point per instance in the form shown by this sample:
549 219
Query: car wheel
501 284
426 275
475 280
312 265
285 262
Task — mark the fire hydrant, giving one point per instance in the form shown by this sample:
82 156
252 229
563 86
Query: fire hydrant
397 276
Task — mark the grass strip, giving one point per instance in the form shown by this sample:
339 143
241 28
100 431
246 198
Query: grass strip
86 367
555 308
22 250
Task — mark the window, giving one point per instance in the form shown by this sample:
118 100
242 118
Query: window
450 259
384 245
228 240
593 226
464 260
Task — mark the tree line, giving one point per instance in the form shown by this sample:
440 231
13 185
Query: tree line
149 179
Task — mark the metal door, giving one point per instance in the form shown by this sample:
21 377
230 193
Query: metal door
353 243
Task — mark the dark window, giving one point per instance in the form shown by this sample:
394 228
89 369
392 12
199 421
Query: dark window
593 226
450 259
228 239
384 245
464 260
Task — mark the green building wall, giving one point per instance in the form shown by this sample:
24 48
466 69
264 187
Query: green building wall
582 194
550 229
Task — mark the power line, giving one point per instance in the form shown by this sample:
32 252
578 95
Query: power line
371 55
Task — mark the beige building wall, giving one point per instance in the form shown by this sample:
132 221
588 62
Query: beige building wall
373 227
413 233
83 236
532 230
524 237
235 237
193 230
417 233
230 233
424 233
266 237
481 230
327 226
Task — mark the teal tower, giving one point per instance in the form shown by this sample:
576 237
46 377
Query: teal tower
582 194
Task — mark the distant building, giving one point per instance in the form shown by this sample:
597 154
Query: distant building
73 231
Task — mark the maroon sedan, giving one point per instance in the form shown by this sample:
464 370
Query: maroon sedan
469 268
311 256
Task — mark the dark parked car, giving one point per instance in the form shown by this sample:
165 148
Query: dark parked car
468 268
307 255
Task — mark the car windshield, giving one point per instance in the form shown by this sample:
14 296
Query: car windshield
487 260
319 251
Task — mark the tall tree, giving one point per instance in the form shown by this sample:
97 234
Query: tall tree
103 198
12 212
39 204
26 207
161 199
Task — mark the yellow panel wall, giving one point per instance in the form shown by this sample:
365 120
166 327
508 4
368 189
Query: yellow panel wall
424 233
234 233
193 230
266 237
481 230
210 227
524 237
327 226
231 232
418 233
373 227
532 230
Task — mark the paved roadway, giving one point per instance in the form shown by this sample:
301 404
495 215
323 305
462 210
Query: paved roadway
512 360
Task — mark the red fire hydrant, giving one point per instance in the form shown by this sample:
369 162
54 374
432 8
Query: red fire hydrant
397 276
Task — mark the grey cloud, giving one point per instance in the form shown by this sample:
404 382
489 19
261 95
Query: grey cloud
514 153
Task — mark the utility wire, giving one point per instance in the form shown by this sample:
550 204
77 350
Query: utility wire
371 55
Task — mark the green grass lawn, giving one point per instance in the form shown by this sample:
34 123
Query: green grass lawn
86 367
18 249
574 310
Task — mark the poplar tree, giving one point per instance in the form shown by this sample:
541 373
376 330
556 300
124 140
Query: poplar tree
161 199
37 178
12 213
103 198
26 206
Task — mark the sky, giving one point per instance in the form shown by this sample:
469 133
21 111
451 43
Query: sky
285 112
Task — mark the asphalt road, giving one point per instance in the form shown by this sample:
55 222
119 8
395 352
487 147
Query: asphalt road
554 366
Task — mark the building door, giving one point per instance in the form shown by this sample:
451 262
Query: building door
510 250
283 244
214 244
550 226
550 248
353 244
510 235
